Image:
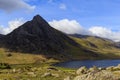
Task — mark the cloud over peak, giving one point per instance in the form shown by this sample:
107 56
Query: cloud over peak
69 27
11 5
72 27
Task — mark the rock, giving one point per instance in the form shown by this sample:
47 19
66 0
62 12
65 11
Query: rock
117 72
103 75
14 70
116 68
93 69
110 68
55 75
34 69
9 54
31 74
118 65
101 68
67 78
20 71
50 74
46 74
81 77
52 68
81 70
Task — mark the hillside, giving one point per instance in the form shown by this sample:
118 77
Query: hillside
100 45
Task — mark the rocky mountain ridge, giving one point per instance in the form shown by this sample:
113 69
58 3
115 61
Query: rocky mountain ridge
36 36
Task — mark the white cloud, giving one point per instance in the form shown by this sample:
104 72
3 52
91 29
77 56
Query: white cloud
72 27
11 26
68 26
63 6
1 29
11 5
100 31
105 32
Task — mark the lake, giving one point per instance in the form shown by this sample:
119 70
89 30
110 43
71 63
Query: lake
88 63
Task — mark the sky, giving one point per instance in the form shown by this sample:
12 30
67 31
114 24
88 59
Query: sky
87 17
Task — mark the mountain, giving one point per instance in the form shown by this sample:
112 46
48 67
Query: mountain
37 36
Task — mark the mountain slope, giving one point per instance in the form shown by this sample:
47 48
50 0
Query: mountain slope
37 36
99 45
94 41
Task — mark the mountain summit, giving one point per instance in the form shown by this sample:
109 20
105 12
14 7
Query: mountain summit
37 36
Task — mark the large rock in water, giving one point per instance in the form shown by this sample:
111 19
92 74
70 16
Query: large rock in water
36 36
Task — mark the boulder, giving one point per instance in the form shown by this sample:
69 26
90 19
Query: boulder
82 70
110 68
94 69
80 77
55 75
67 78
31 74
46 74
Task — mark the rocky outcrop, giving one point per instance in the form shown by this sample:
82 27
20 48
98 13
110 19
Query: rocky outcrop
95 73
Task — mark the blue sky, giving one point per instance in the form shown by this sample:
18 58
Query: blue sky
88 13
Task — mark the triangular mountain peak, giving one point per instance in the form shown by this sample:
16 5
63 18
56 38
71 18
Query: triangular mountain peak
37 36
39 19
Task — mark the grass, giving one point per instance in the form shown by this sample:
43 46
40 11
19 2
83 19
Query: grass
19 58
23 63
99 46
21 72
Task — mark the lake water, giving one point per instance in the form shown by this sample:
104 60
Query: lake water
88 63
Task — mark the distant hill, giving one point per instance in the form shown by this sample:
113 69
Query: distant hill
87 36
99 45
94 41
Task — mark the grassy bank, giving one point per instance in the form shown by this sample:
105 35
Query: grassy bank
41 71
